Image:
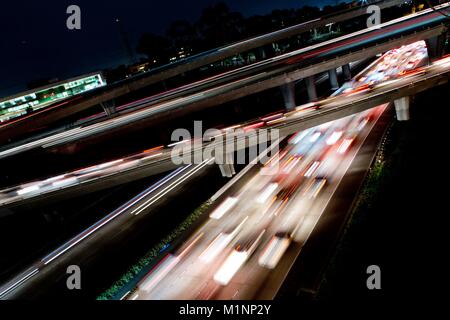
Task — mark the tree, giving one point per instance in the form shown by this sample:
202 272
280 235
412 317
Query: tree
256 25
182 34
218 26
283 18
156 48
308 13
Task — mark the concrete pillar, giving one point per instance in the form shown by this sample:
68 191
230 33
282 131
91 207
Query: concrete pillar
332 74
288 91
347 72
109 107
402 108
435 47
227 168
261 53
311 88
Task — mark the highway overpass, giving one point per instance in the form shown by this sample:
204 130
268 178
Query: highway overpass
109 230
160 160
279 71
130 213
107 94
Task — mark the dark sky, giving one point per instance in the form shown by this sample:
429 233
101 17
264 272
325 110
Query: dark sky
36 44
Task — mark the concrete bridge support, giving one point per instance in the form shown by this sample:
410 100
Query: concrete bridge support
332 74
311 88
435 46
109 107
315 33
347 72
261 53
288 91
402 108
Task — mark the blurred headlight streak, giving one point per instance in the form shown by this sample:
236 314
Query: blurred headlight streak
314 137
229 268
335 136
159 272
275 249
344 145
268 191
312 168
29 189
223 208
65 182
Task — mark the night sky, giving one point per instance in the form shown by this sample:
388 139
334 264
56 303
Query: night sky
35 43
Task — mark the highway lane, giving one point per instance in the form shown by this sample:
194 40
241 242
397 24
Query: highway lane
300 273
79 176
255 73
84 247
290 200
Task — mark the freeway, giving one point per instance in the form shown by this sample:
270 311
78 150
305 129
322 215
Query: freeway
184 90
250 230
255 234
320 156
192 62
377 82
262 75
113 227
79 177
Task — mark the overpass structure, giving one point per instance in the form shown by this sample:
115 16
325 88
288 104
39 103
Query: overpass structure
105 96
303 117
115 223
281 71
47 266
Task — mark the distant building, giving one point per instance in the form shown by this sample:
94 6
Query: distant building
138 68
181 54
32 100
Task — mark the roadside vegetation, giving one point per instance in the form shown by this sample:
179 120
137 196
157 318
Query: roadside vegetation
367 205
129 279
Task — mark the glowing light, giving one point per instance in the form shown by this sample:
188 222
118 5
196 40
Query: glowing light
229 268
216 247
312 168
253 126
223 208
64 182
109 164
176 143
267 193
29 189
158 273
334 137
273 252
291 165
298 137
153 149
314 137
344 145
